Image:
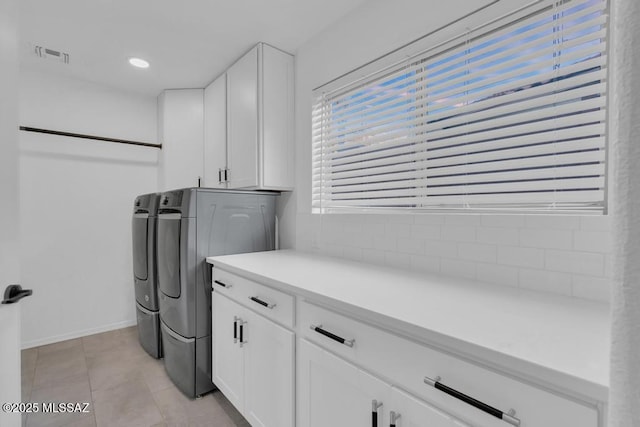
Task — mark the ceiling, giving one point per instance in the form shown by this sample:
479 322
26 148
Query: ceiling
188 43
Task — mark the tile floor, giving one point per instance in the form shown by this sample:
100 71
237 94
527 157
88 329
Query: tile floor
123 384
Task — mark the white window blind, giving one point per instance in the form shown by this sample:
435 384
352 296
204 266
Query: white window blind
512 116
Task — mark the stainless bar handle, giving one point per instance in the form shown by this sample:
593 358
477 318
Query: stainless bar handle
262 303
235 329
393 418
375 405
241 339
507 417
318 329
224 285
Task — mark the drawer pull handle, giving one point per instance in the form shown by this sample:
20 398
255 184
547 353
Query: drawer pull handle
235 329
393 418
224 285
507 417
375 405
262 303
318 329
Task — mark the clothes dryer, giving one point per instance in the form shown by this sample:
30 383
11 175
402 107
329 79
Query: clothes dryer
195 223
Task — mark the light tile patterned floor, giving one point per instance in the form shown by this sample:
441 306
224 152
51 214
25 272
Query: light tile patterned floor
123 384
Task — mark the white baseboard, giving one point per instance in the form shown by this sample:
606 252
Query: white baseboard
78 334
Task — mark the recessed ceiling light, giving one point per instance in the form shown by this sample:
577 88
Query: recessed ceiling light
138 62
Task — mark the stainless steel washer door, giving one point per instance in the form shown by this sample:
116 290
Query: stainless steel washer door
169 254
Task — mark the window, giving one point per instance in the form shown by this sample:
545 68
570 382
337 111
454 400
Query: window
509 116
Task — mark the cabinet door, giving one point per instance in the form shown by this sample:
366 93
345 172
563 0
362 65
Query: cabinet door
228 366
242 121
181 119
277 119
269 368
417 413
215 133
333 392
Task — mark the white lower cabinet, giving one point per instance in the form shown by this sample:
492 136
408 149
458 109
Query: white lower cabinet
411 412
253 363
332 391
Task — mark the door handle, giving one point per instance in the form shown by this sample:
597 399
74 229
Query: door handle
241 339
375 405
262 303
318 329
508 417
235 329
15 293
393 418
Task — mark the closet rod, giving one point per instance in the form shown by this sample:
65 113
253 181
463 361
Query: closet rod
84 136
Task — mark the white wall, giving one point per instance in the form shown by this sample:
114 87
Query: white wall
563 254
76 200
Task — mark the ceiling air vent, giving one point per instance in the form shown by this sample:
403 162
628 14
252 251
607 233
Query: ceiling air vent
51 54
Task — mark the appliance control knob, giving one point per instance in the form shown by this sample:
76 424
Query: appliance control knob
146 298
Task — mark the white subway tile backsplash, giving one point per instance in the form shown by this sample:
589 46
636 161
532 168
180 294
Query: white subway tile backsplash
352 253
592 241
575 262
331 250
463 219
410 245
400 219
510 221
546 281
521 257
385 242
498 235
477 252
569 255
543 238
442 248
495 273
429 219
352 226
425 263
398 229
596 223
373 256
592 288
459 233
458 268
358 239
553 222
373 228
395 259
425 231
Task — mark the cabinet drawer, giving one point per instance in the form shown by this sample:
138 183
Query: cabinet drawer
406 363
267 301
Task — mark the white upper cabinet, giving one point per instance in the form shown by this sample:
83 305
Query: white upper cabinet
242 121
215 133
257 142
180 120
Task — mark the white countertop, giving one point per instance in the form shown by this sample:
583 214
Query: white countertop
549 339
